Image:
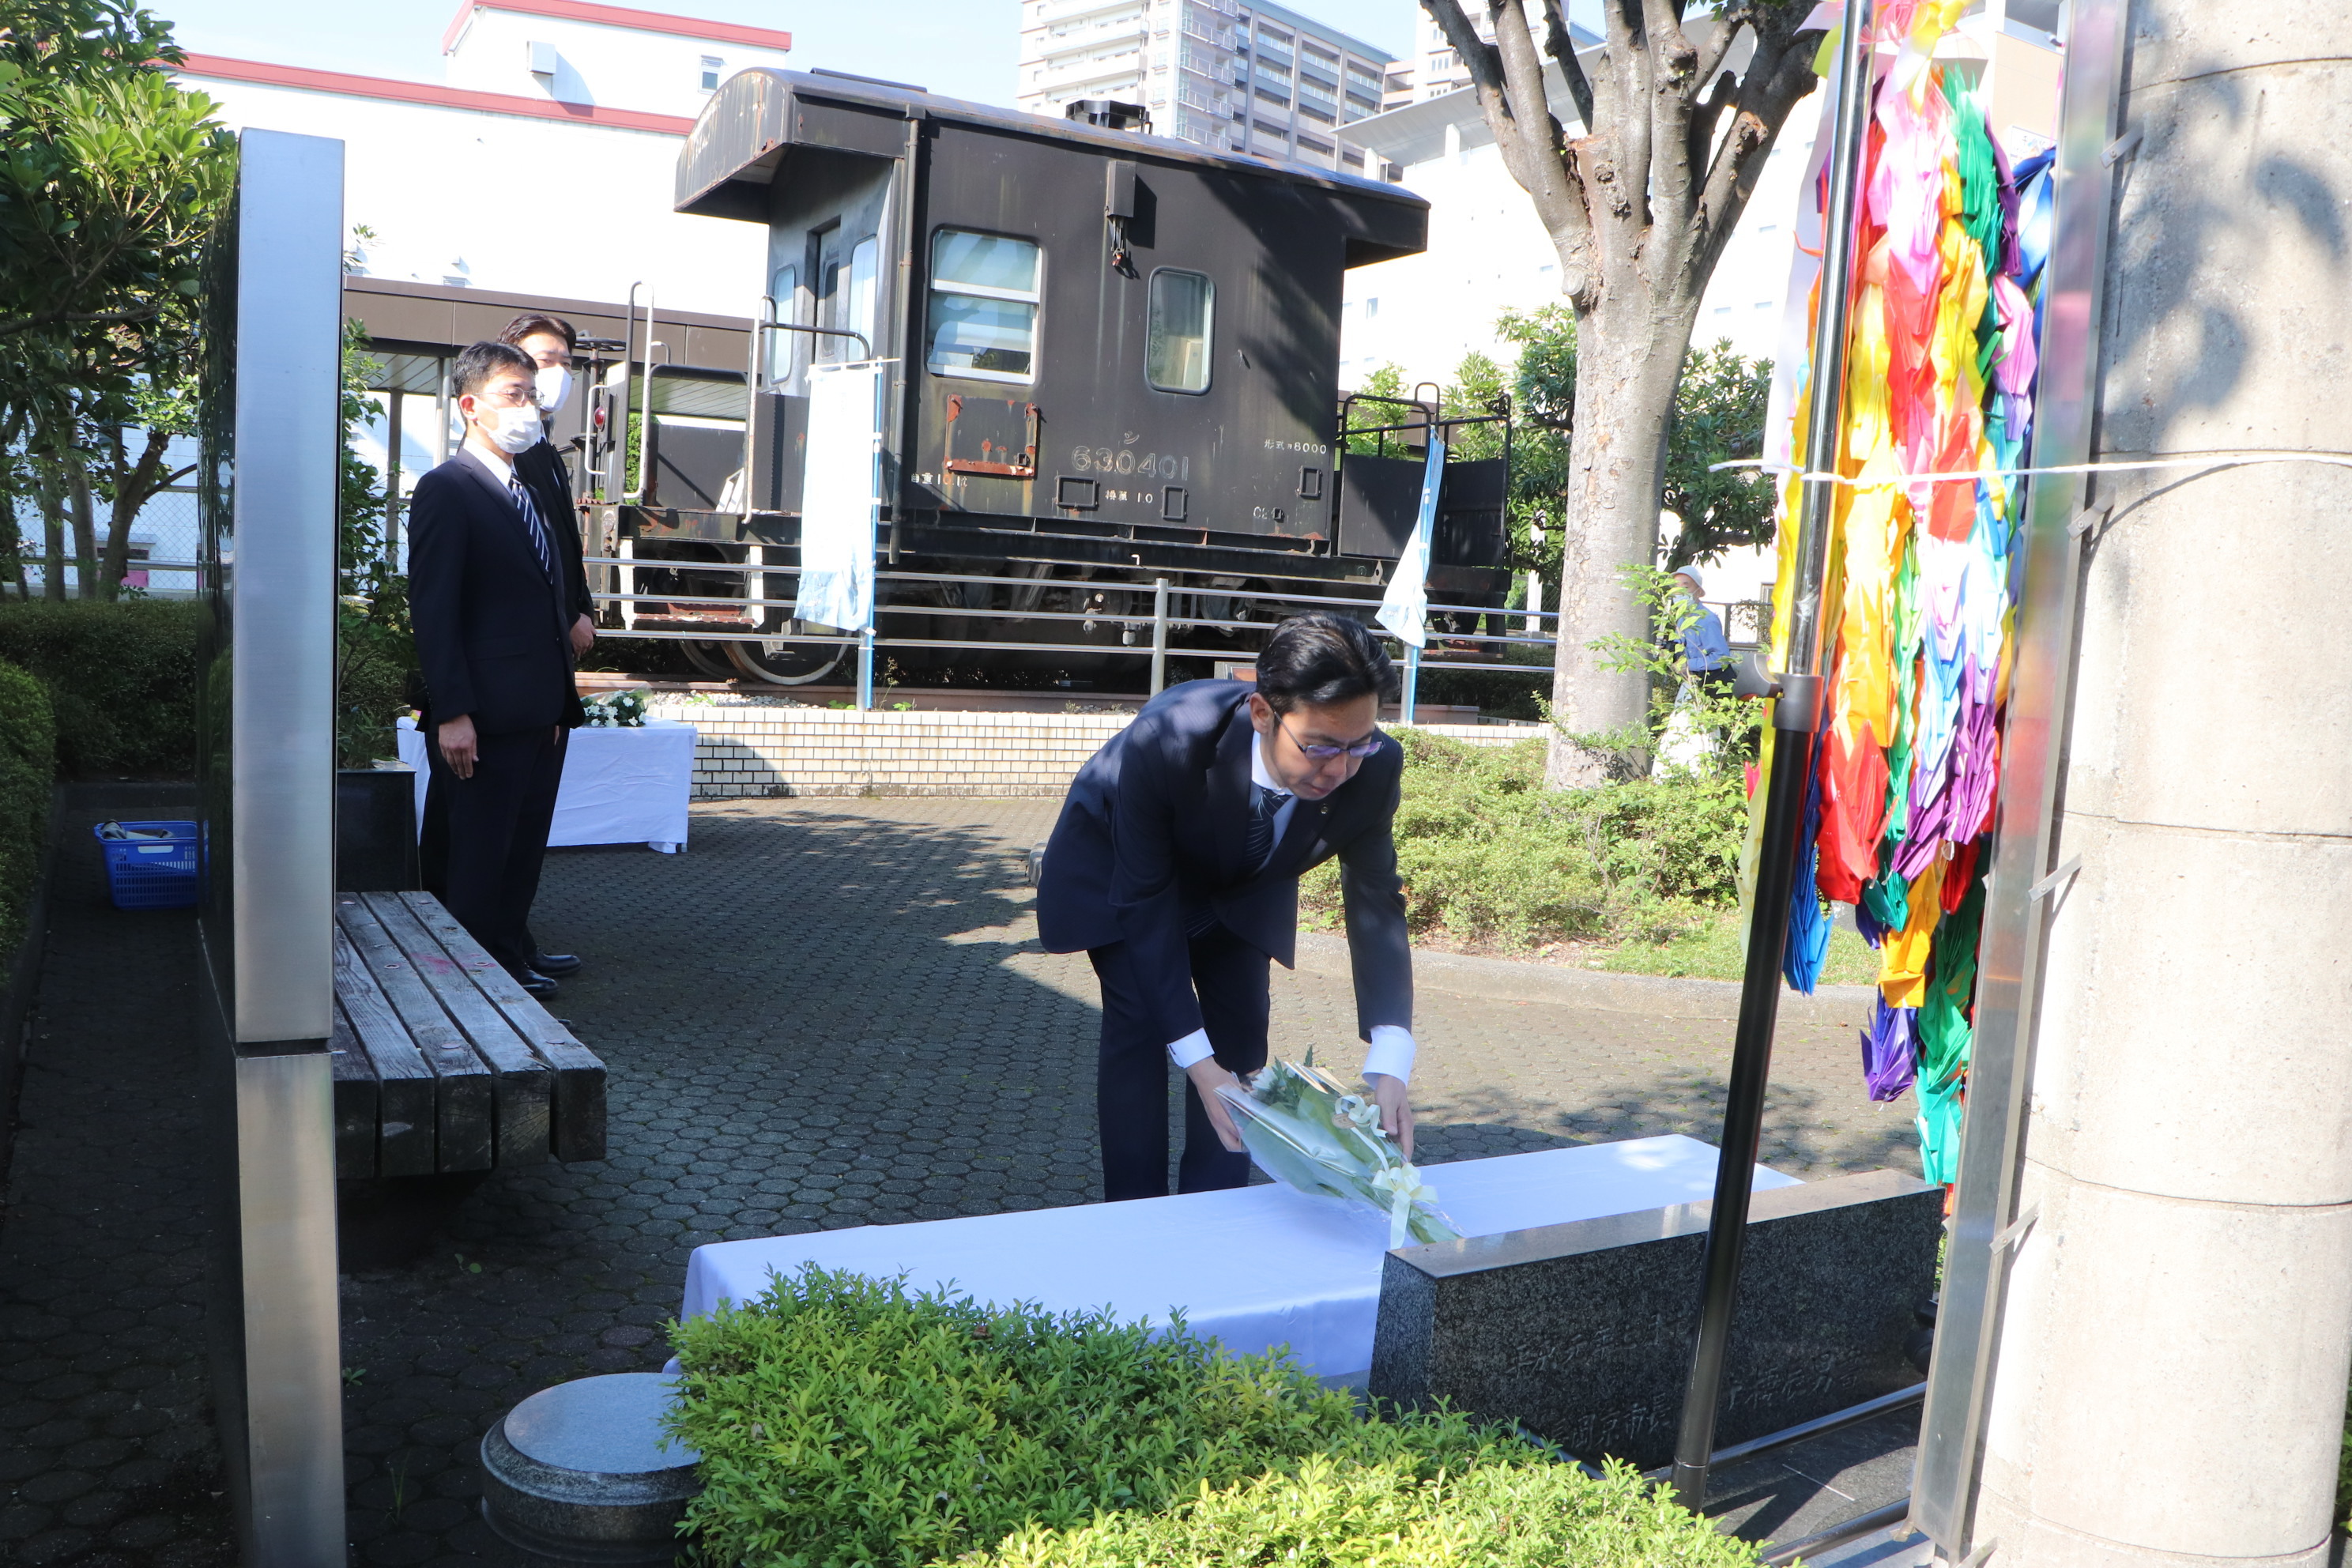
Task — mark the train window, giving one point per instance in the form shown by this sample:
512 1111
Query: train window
783 348
1176 335
984 299
864 260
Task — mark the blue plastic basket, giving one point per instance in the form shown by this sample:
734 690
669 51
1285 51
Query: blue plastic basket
153 873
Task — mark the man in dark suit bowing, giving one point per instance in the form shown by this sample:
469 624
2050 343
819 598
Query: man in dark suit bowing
487 597
1175 867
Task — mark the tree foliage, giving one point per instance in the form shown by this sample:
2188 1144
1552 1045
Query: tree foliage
1718 416
110 179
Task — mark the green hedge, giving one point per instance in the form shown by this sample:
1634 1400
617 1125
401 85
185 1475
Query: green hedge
28 743
1504 1509
121 678
843 1421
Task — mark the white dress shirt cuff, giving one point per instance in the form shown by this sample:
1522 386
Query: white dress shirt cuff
1391 1052
1195 1046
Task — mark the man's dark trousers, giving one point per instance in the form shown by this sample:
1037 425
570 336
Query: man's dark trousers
1131 1077
501 817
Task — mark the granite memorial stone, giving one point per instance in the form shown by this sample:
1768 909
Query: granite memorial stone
578 1474
1582 1332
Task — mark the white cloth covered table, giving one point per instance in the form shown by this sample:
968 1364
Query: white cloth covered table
620 786
1254 1267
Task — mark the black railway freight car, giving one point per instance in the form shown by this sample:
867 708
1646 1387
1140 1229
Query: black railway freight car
1113 361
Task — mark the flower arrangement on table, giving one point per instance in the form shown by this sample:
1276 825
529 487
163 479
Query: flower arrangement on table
1306 1131
616 709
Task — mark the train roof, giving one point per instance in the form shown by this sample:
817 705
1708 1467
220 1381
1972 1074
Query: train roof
758 115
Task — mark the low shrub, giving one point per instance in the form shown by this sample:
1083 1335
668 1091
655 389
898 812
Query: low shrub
1504 1509
1489 856
375 655
29 742
121 676
844 1421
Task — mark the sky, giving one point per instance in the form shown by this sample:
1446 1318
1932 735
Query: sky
964 49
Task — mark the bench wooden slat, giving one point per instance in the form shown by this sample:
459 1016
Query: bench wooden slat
355 1102
520 1091
463 1115
579 1074
404 1082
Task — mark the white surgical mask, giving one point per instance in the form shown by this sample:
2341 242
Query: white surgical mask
516 431
554 385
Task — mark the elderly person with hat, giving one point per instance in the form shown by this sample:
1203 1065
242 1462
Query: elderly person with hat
1707 652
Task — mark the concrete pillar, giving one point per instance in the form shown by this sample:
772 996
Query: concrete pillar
2171 1384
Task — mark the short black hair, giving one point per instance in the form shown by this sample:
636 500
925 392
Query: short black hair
477 363
1320 659
531 323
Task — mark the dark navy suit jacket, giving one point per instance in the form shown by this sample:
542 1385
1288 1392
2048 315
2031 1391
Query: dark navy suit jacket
543 469
491 631
1153 833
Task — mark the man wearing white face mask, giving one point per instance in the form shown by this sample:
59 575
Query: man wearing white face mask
550 341
493 621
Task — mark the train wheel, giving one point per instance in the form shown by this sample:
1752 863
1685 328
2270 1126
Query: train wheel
780 662
710 659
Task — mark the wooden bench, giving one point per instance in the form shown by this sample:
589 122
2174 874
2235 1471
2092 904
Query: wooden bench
442 1063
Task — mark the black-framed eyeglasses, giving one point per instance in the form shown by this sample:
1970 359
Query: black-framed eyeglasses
1363 748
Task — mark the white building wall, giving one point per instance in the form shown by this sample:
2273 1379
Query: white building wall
624 67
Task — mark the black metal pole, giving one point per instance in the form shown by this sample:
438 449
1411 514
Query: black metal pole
1796 715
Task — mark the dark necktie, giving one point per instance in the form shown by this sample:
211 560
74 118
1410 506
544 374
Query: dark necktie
1259 844
539 543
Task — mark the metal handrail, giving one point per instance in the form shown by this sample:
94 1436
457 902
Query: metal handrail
644 563
1160 620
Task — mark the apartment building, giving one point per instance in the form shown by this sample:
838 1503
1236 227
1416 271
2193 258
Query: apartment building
1229 76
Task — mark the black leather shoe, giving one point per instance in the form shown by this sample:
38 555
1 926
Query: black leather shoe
555 963
539 985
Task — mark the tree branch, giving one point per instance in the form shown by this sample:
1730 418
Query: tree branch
1561 45
15 325
1508 79
1778 75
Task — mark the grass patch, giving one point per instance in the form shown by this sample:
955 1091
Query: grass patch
844 1421
1712 949
1640 877
1492 860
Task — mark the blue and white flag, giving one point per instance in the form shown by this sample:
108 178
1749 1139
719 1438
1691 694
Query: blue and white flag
1404 608
841 495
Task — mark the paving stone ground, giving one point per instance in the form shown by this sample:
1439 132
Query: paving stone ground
107 1455
829 1013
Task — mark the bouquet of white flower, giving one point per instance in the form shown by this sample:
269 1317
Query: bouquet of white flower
1306 1131
624 710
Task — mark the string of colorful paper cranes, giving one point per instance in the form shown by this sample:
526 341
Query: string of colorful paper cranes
1922 581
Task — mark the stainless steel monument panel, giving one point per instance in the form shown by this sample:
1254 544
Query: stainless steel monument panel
288 420
273 434
1968 1323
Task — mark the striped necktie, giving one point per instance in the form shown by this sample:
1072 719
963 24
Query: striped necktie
539 539
1259 844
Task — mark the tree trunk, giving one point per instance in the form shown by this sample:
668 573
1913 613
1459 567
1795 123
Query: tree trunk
85 527
1623 400
135 484
53 532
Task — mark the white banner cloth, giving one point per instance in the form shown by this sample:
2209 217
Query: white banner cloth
1404 608
620 786
841 496
1254 1267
